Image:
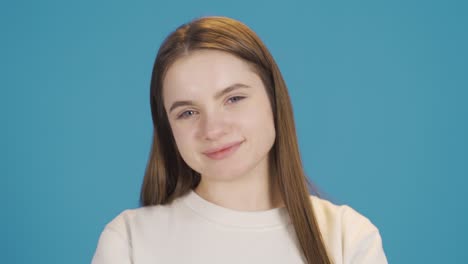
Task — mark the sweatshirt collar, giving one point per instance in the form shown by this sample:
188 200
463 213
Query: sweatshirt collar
275 217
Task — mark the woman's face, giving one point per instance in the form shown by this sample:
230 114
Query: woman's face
220 115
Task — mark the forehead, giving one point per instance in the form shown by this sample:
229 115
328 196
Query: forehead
205 71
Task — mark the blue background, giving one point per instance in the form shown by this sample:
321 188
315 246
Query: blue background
379 92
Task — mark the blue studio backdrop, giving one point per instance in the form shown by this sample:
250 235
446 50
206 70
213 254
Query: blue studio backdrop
379 90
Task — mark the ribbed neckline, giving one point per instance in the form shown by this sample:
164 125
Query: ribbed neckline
258 219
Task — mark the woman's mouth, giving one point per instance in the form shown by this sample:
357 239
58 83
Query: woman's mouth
224 151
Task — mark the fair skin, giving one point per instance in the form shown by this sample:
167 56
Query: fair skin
214 100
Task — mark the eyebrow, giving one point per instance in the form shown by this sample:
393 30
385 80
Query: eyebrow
219 94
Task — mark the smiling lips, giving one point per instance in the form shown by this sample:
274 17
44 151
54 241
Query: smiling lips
224 151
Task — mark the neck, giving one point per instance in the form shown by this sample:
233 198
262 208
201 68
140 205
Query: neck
253 192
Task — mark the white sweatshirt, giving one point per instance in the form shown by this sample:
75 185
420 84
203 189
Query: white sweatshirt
194 230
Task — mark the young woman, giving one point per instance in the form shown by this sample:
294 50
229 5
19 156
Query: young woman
224 181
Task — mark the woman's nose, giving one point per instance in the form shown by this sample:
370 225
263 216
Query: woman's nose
213 126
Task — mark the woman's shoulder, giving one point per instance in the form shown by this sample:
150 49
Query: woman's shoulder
116 239
138 217
349 235
330 214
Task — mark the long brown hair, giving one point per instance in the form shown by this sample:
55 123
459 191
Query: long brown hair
168 177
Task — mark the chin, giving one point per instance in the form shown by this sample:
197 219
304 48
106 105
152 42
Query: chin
226 172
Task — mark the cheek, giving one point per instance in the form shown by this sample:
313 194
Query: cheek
259 117
185 143
258 126
182 138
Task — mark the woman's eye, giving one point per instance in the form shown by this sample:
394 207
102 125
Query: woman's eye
189 113
186 114
236 98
